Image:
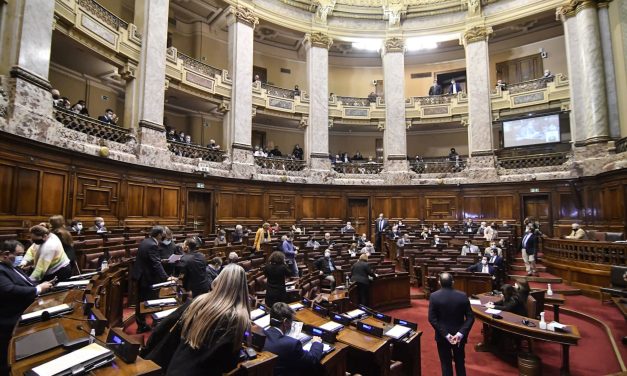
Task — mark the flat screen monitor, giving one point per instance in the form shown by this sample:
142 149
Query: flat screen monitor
531 131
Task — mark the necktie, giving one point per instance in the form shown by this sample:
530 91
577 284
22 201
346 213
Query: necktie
525 240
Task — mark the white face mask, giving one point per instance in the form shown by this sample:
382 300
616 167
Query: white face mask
484 261
327 254
79 226
79 107
101 225
167 241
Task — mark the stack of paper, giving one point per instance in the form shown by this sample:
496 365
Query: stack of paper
475 301
257 313
263 322
355 313
325 347
296 306
163 314
331 326
397 331
82 282
160 302
492 311
89 357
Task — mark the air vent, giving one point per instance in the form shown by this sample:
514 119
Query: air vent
285 70
420 75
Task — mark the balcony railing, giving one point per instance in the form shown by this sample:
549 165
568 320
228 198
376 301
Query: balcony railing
196 151
280 92
528 161
433 99
91 126
280 164
197 66
585 251
437 167
94 8
621 145
362 168
530 85
354 101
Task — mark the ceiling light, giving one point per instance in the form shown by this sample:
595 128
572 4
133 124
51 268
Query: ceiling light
367 44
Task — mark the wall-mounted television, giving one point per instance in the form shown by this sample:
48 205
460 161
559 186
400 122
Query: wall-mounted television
531 131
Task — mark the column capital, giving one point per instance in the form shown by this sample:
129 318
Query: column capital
476 34
566 10
244 15
318 39
393 44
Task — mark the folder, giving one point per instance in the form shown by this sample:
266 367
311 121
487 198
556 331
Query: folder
77 362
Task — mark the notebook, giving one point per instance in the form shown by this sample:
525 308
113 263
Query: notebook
88 358
163 314
397 331
160 302
263 322
326 348
40 341
257 313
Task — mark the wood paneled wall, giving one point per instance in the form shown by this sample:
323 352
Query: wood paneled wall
39 181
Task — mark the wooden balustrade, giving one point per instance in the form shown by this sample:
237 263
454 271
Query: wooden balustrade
196 151
280 164
91 126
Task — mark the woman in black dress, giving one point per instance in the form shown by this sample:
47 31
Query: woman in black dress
276 271
361 274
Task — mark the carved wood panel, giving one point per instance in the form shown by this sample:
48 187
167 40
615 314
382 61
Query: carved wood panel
240 205
96 196
441 207
281 206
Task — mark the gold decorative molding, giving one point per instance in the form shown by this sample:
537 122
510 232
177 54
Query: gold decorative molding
394 44
477 34
592 4
474 8
318 39
566 10
323 9
244 15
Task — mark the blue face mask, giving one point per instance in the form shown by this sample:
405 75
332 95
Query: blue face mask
18 261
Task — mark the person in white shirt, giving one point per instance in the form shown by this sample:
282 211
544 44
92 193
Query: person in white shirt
469 248
481 229
401 243
348 228
482 267
490 233
368 248
436 240
312 243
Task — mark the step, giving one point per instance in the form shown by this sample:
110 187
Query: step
544 278
558 288
521 267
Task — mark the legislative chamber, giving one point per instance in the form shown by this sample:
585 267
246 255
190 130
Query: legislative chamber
324 187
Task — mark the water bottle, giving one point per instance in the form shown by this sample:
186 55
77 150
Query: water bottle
542 322
549 291
104 266
92 335
348 282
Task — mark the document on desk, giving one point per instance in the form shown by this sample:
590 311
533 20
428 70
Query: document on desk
355 313
82 282
257 313
52 311
296 306
163 314
326 348
475 301
492 311
397 331
163 284
160 302
263 322
87 357
331 326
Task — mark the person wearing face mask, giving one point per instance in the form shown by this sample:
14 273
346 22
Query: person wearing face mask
237 235
76 226
436 240
312 243
494 258
361 242
482 267
469 248
214 267
109 117
17 292
56 97
290 254
220 240
99 225
511 302
47 256
326 266
528 247
188 139
194 269
167 248
147 271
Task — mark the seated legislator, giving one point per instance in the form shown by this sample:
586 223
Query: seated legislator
312 243
213 328
492 253
220 240
17 292
276 271
293 360
348 228
361 273
469 248
446 228
237 235
99 225
511 302
194 268
361 242
326 241
577 233
326 266
47 256
147 271
469 226
213 269
401 243
482 267
262 236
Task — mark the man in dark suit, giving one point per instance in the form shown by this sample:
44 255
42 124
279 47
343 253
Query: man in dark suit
147 271
455 87
17 292
451 317
109 117
293 360
435 89
380 227
326 266
529 248
194 268
482 267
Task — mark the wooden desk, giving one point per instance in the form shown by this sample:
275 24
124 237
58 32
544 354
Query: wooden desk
388 291
74 329
512 323
405 350
621 303
556 300
263 365
468 282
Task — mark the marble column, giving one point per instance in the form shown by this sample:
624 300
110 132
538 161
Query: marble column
317 131
131 116
394 135
480 132
151 19
571 38
25 56
610 74
238 121
595 106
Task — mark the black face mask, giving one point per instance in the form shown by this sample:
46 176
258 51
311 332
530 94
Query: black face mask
38 241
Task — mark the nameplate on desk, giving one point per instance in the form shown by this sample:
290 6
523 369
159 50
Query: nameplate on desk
326 335
320 310
83 276
60 309
411 325
163 284
398 332
306 302
160 302
341 319
377 315
370 329
163 314
123 345
77 362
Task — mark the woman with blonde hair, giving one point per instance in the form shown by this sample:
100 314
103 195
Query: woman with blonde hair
47 256
262 236
213 327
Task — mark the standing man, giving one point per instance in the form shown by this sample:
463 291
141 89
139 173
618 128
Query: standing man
435 89
147 271
451 317
380 226
529 248
455 87
290 252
